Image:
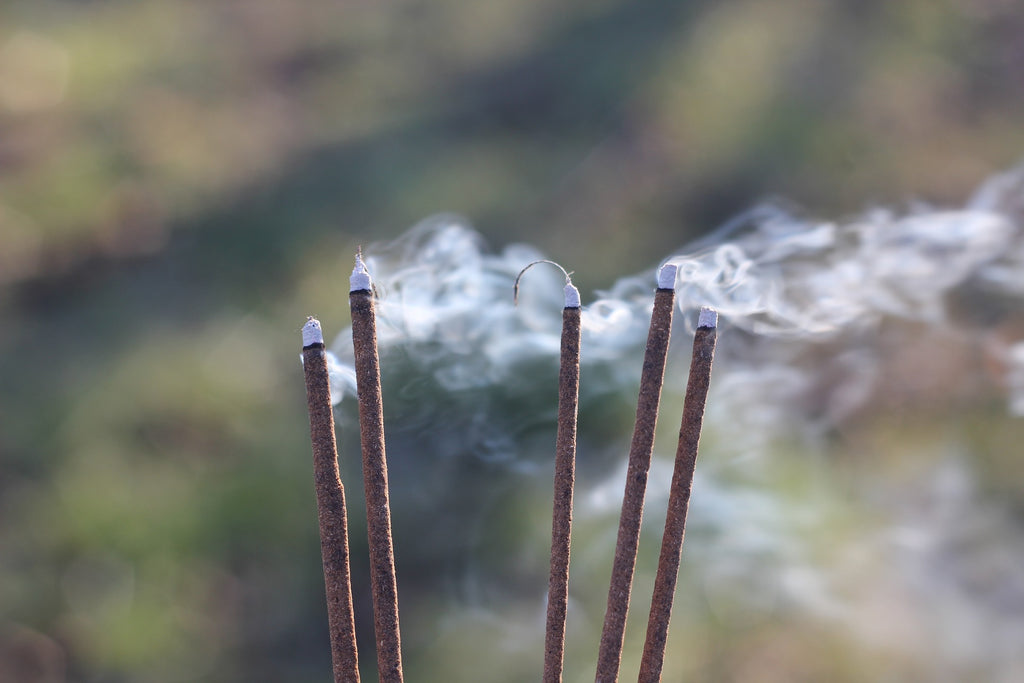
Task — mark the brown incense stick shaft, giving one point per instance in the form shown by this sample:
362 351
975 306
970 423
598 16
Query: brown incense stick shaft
375 480
565 475
330 499
651 378
678 502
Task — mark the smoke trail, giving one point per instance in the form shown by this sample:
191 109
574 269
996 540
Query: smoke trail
824 326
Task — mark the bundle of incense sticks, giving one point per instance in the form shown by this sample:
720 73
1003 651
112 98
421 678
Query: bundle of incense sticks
331 497
641 450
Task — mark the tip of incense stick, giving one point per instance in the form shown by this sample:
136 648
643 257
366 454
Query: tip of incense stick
572 296
708 317
360 275
312 332
667 276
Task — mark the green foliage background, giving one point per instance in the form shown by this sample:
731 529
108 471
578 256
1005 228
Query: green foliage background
182 182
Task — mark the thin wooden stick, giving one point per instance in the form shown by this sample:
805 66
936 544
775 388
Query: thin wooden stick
330 500
679 498
375 477
565 477
651 378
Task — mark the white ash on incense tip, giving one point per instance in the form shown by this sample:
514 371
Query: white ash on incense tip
312 333
572 296
667 276
708 317
360 276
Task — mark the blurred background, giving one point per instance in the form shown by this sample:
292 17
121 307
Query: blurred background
181 183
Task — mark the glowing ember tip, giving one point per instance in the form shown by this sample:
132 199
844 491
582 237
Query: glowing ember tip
708 317
667 276
360 276
572 296
312 333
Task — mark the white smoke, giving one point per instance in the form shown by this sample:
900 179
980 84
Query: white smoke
822 324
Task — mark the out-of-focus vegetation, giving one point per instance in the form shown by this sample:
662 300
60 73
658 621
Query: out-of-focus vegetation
182 182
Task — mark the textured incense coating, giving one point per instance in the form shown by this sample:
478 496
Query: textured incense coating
375 480
679 498
330 500
565 475
651 378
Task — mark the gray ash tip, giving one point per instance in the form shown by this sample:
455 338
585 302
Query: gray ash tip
708 317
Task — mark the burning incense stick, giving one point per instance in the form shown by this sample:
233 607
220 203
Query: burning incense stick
651 378
330 500
565 476
375 476
679 498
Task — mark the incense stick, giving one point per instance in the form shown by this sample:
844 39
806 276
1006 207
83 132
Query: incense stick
330 500
651 378
565 476
679 498
375 476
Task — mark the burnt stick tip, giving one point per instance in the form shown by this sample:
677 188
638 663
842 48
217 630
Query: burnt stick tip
708 317
312 333
667 276
360 279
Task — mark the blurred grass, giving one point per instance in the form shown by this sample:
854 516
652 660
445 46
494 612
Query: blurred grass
181 182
